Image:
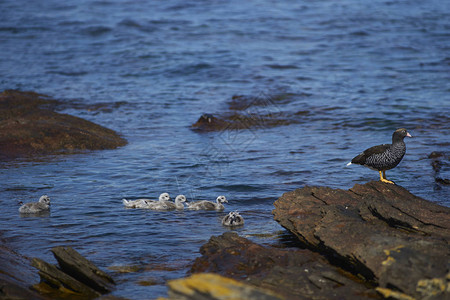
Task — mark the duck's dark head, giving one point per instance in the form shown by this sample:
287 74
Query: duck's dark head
400 134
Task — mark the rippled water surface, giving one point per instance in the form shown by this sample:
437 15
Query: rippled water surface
348 72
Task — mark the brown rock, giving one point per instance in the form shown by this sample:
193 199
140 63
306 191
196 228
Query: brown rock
15 276
60 281
378 231
74 264
293 274
207 286
250 112
29 125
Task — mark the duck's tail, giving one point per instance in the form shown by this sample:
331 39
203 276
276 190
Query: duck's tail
126 203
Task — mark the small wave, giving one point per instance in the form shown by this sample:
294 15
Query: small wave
96 31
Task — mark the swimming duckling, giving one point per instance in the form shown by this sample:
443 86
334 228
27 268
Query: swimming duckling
233 219
43 205
169 205
208 205
144 203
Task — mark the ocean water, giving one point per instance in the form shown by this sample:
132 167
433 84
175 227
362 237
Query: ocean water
347 72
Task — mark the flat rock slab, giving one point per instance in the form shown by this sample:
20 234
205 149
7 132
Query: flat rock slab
29 125
59 280
377 231
74 264
290 273
207 286
76 277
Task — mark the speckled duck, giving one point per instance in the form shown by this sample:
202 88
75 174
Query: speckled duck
384 157
43 205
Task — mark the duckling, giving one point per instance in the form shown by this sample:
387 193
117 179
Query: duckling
43 205
144 203
168 205
208 205
233 219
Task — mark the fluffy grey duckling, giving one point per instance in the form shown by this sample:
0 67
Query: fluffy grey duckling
233 219
43 205
208 205
384 157
169 205
144 203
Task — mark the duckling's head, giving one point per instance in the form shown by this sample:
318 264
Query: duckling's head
45 199
180 198
164 197
222 199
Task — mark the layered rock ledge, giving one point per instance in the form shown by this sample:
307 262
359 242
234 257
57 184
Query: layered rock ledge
370 242
380 232
290 273
30 125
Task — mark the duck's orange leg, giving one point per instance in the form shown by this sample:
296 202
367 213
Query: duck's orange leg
383 177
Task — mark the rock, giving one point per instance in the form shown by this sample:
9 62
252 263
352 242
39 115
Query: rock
54 278
208 122
15 276
293 274
76 276
215 287
439 160
74 264
377 231
249 112
29 125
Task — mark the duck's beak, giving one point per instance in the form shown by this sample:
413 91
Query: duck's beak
408 135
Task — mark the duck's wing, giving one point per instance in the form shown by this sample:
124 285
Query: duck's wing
161 205
361 158
26 208
33 207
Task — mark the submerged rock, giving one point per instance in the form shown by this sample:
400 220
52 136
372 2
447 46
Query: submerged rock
250 112
377 231
439 161
291 273
29 125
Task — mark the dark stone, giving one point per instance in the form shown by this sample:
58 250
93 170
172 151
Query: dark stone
60 281
442 180
74 264
436 154
440 161
29 125
76 276
291 273
208 122
377 231
249 112
15 276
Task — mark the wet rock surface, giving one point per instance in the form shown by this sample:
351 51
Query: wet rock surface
250 112
29 125
379 232
206 286
291 273
76 277
439 161
16 275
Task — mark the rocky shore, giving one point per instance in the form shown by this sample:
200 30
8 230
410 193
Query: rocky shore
29 125
373 241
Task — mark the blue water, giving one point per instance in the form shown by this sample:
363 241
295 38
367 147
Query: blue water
353 72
